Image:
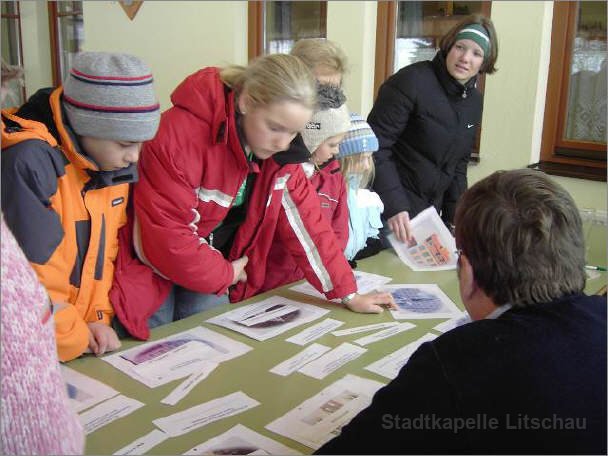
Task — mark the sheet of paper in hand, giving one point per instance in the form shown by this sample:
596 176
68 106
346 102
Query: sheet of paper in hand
432 247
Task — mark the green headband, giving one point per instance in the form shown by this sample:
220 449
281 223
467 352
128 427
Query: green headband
478 34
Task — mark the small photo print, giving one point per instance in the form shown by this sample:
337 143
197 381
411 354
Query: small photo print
421 301
77 394
431 252
153 351
235 445
416 300
331 406
290 315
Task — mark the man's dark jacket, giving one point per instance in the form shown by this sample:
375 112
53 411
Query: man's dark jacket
426 123
531 381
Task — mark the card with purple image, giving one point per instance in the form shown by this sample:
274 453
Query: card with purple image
421 301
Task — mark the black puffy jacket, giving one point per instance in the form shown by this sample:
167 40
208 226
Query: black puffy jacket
426 123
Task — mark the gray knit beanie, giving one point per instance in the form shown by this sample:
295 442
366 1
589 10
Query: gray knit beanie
111 96
330 119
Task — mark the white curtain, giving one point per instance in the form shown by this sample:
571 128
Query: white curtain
586 119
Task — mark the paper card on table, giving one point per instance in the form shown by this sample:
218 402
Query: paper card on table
432 245
366 282
177 356
284 314
364 328
143 444
108 411
453 323
289 366
331 361
321 417
421 301
240 440
188 385
259 318
203 414
390 365
387 332
84 391
315 331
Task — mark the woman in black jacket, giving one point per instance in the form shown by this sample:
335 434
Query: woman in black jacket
426 117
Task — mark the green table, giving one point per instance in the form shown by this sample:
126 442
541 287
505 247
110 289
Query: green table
250 372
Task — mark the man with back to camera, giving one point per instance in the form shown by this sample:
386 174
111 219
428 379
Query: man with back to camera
528 375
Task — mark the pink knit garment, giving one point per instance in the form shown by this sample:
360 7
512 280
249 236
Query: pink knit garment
36 414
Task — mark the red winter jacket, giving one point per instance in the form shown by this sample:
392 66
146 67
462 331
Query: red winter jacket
189 175
329 183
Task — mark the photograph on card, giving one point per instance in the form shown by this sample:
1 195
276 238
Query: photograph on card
421 301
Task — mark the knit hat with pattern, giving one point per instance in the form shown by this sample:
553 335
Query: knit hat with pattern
359 139
330 119
111 96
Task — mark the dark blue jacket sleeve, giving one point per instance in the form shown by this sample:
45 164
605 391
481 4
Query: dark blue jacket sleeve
30 171
388 119
457 187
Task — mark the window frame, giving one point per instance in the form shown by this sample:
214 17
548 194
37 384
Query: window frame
54 17
256 26
17 18
591 165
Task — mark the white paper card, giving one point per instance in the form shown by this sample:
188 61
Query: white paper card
366 282
84 391
388 332
143 444
333 360
107 412
390 365
315 331
180 355
321 417
271 317
365 328
203 414
421 301
188 385
241 440
266 316
432 247
294 363
453 323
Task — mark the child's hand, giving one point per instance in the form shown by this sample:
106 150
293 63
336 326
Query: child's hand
238 267
373 302
102 338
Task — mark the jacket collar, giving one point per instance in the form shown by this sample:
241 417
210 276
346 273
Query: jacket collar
297 153
451 85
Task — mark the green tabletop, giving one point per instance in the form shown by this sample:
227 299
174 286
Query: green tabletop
250 372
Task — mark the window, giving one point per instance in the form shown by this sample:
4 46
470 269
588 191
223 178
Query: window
12 52
67 36
410 31
574 131
276 26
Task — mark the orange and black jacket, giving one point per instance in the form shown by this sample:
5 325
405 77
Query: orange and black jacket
65 214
